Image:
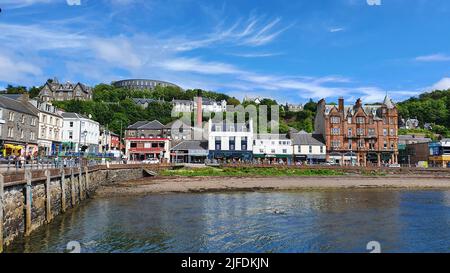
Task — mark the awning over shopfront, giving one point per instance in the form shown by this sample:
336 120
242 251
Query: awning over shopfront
11 149
272 156
246 155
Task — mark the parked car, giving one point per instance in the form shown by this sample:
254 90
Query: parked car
394 166
151 161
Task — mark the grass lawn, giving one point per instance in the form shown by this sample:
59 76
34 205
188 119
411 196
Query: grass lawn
248 171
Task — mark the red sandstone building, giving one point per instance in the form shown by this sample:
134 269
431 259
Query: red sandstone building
359 134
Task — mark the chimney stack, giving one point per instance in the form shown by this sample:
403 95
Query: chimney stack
199 110
341 104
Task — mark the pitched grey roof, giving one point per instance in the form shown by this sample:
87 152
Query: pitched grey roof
55 86
13 96
137 125
307 139
146 125
178 122
73 115
191 145
402 139
271 136
388 102
143 101
17 106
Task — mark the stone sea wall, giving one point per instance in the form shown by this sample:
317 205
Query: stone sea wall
34 199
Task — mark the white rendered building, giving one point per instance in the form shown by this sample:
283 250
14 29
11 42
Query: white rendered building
230 140
273 147
80 133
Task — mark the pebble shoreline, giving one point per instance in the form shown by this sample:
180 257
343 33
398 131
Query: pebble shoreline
219 184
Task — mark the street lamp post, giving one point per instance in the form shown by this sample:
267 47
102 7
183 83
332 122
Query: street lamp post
79 142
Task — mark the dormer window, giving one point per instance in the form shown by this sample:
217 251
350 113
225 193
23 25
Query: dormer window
335 120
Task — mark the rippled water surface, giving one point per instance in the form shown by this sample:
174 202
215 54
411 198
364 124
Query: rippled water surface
313 221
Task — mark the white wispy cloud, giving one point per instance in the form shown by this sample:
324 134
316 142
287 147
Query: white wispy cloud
39 37
253 32
170 57
336 29
13 4
118 51
256 55
198 66
433 58
15 69
442 84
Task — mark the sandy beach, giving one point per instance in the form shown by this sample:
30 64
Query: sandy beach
214 184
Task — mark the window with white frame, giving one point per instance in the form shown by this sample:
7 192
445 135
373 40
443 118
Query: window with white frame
335 131
335 120
361 143
336 143
360 120
360 131
10 132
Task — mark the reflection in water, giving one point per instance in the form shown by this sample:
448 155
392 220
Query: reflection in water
312 221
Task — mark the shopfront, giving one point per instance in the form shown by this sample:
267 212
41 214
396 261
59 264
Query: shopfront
10 149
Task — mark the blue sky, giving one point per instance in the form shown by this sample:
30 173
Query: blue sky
287 50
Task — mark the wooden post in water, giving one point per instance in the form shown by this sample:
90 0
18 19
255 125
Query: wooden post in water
86 171
72 185
63 190
28 200
48 198
2 196
80 182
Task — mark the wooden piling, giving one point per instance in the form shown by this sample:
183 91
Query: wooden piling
72 185
28 200
48 197
80 183
63 191
2 196
86 179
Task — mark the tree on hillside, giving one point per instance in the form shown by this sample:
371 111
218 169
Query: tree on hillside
310 106
16 89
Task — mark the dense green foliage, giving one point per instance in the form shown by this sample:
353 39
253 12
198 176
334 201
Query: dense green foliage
251 171
33 91
114 107
303 120
433 107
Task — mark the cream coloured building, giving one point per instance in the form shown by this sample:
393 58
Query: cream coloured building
50 128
